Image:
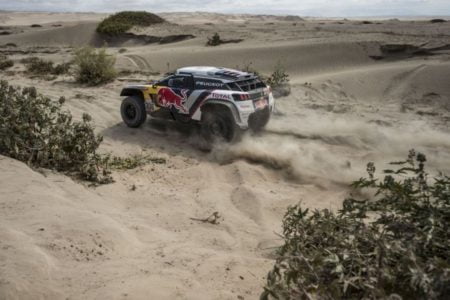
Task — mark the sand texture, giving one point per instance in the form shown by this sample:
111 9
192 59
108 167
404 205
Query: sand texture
359 93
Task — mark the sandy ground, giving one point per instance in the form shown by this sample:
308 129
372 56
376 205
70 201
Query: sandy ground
352 102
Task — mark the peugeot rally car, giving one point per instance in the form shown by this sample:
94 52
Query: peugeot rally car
224 101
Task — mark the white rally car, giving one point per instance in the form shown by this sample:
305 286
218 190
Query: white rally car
223 100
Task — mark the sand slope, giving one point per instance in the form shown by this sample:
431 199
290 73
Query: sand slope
60 239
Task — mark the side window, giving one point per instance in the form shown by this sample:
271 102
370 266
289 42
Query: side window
209 84
163 82
180 82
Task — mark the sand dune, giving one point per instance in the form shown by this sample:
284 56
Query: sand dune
351 103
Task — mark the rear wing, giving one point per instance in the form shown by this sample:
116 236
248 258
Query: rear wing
247 84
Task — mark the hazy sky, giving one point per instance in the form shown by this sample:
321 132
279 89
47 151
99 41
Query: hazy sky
300 7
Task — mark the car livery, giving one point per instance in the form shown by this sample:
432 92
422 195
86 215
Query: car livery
187 93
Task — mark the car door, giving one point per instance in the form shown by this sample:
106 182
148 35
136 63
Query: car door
175 95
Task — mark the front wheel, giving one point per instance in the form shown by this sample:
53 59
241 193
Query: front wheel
217 125
133 111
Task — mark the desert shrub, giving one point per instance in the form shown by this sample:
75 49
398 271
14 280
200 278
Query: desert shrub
215 40
438 21
94 67
34 129
392 245
278 76
5 63
38 66
123 21
62 68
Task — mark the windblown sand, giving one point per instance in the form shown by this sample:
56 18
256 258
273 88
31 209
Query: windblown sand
352 101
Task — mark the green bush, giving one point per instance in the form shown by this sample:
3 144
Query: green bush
5 63
34 129
393 245
123 21
94 67
215 40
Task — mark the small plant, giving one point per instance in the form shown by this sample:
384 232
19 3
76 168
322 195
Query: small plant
61 69
5 63
215 40
123 21
131 162
34 129
393 245
279 76
38 66
94 67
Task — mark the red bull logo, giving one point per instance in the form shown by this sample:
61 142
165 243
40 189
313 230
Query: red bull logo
168 98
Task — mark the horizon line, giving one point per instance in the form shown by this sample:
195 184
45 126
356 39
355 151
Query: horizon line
229 13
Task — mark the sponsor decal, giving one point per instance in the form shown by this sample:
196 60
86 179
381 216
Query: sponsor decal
219 96
209 84
169 98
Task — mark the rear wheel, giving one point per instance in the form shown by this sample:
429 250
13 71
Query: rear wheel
218 125
133 111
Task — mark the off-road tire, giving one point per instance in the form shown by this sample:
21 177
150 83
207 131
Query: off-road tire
218 125
133 111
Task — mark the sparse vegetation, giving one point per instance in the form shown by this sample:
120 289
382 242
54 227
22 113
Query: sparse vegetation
94 67
5 63
34 129
278 80
38 66
216 40
392 245
131 162
123 21
278 77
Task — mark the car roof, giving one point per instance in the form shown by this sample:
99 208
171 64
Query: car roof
215 72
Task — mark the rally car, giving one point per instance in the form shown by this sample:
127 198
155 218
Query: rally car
224 101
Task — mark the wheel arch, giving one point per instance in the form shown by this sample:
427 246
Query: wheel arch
220 104
133 92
